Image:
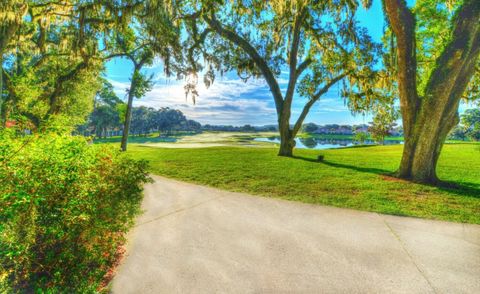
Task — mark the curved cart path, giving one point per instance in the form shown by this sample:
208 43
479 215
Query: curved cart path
195 239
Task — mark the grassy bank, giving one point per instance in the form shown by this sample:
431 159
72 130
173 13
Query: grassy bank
344 137
354 177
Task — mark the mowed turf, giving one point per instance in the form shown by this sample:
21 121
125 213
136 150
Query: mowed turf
355 178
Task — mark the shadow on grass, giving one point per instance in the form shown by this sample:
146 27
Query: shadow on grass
465 189
347 166
460 189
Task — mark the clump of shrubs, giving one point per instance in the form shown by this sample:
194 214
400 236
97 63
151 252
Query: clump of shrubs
65 205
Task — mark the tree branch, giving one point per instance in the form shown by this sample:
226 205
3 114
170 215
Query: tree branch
8 84
327 87
142 62
402 21
196 44
293 56
58 89
303 66
113 55
309 104
250 50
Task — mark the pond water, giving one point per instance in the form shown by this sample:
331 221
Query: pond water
318 143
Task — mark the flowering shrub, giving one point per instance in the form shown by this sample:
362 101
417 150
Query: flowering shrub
64 208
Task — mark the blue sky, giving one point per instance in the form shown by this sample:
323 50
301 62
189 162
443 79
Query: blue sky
231 101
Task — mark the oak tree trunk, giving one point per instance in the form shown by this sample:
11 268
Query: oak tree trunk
423 146
287 137
287 143
128 113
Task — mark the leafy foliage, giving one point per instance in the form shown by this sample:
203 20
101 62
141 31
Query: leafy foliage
383 122
309 127
360 137
435 21
64 207
458 133
434 33
471 123
51 56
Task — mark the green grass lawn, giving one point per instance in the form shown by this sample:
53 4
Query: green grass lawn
352 177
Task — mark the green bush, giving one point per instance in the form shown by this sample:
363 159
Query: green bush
360 137
64 208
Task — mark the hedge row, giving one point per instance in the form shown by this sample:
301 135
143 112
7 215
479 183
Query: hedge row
64 208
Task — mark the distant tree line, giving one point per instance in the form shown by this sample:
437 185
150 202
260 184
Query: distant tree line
336 129
146 120
105 122
107 118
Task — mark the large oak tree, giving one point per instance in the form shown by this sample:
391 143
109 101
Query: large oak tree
437 50
318 43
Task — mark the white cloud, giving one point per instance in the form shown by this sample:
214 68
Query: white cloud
227 101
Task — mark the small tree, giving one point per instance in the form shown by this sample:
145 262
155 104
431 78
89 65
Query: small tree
156 35
383 122
360 137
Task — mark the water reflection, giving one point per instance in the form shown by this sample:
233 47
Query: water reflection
309 142
320 143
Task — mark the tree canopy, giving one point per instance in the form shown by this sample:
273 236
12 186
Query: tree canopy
51 55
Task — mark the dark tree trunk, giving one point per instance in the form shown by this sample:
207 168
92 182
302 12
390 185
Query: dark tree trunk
422 149
287 136
287 143
427 120
128 113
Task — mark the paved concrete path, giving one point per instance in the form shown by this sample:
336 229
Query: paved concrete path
195 239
